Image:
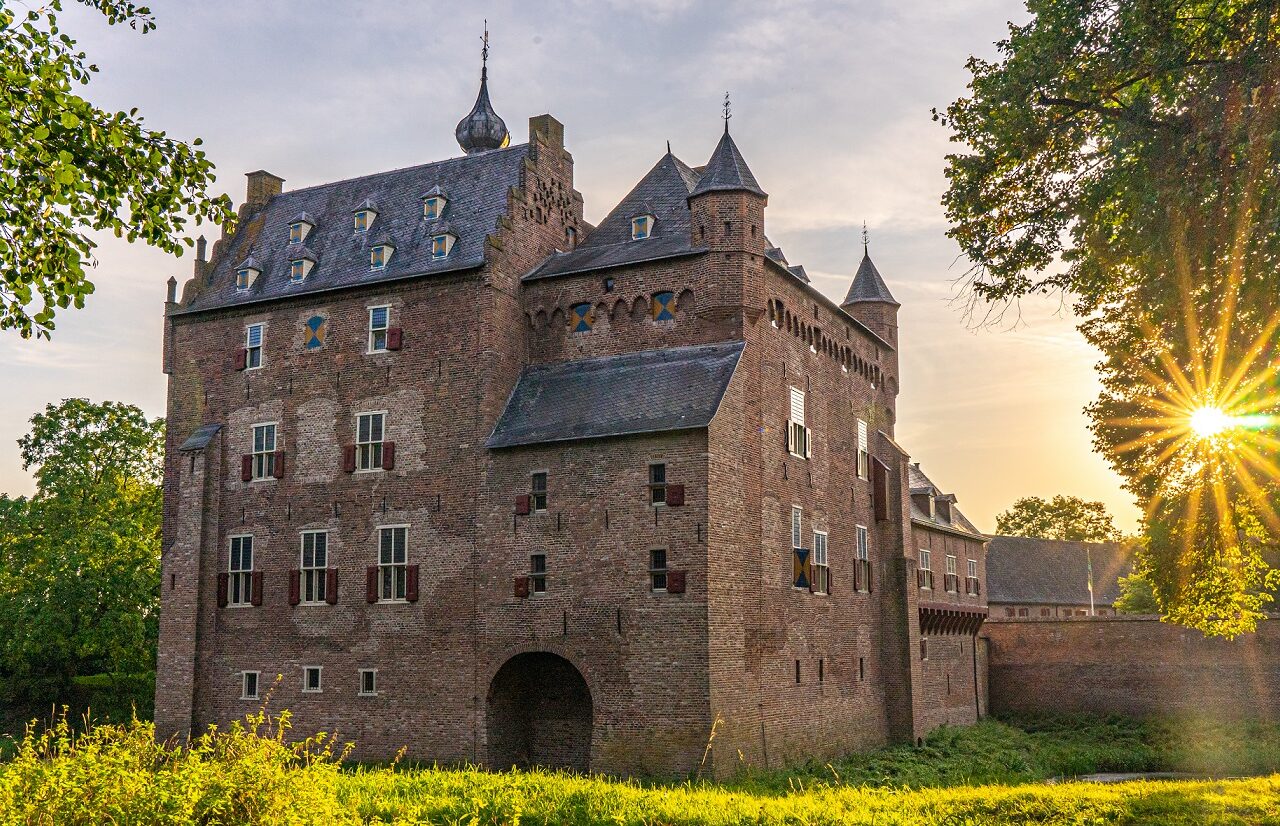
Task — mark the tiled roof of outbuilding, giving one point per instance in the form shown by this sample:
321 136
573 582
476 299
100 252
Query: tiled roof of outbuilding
1030 570
677 388
477 184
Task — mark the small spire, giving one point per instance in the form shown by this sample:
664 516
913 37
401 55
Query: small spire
864 239
728 112
668 147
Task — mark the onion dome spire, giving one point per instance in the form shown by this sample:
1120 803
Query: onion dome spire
482 130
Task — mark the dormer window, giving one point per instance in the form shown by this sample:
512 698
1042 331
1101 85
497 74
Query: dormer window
433 204
363 220
641 227
300 227
442 245
299 268
380 256
247 273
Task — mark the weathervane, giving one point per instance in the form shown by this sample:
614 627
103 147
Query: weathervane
484 50
864 237
728 112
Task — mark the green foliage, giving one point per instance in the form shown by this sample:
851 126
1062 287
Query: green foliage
1127 153
1063 517
250 774
1137 596
80 560
67 167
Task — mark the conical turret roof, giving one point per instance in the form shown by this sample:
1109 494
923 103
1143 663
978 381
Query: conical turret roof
727 171
868 285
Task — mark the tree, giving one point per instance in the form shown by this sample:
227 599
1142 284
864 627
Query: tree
1136 595
80 560
1063 517
67 168
1127 153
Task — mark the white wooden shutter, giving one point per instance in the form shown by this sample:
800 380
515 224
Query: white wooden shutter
797 405
862 436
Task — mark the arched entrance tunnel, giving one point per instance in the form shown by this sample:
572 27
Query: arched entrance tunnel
539 714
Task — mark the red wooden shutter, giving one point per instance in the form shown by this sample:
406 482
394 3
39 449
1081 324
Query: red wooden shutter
256 597
786 437
349 459
520 587
278 470
522 504
675 582
675 495
223 579
331 586
868 576
388 455
371 584
242 358
411 583
295 587
395 338
880 489
246 468
808 570
857 575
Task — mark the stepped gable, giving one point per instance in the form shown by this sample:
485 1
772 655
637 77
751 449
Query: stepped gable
478 186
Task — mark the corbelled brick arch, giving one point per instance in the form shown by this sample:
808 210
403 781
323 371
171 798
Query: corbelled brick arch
539 713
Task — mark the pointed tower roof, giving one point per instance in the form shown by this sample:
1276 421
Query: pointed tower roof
868 285
482 130
727 171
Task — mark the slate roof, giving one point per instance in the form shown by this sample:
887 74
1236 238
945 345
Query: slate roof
653 391
1031 570
917 482
477 186
868 285
727 171
200 439
663 192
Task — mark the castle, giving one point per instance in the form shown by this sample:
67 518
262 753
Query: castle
448 468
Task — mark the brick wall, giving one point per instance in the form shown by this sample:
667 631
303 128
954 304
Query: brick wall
1131 665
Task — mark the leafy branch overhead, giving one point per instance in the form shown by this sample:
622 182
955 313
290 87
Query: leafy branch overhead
68 169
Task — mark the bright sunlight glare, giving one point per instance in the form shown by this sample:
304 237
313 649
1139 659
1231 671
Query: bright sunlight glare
1208 422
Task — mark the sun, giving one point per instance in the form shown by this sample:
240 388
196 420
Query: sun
1209 421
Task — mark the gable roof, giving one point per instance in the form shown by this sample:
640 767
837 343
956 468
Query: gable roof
727 171
652 391
868 285
663 193
478 186
917 482
1024 569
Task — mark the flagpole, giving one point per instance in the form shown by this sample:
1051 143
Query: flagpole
1088 555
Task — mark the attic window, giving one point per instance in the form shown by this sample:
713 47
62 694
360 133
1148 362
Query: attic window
298 269
245 278
641 227
298 231
363 219
380 256
433 207
442 245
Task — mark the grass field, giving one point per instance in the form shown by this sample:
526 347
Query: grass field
117 774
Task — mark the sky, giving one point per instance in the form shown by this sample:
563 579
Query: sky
831 108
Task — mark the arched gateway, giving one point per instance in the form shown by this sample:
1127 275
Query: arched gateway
539 714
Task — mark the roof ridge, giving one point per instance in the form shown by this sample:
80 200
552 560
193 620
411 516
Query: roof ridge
401 169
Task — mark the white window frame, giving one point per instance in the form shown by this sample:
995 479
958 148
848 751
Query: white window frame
252 350
369 454
641 227
264 459
658 488
245 278
863 548
820 565
442 245
239 579
360 692
864 455
244 685
432 207
313 578
952 574
951 564
799 437
306 672
296 232
393 573
378 335
972 569
797 526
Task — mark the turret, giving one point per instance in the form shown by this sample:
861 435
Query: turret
870 301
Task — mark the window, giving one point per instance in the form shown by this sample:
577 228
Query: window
658 569
370 429
582 317
862 560
298 232
821 573
641 227
1044 612
441 245
240 578
393 563
248 685
797 672
821 671
253 346
244 278
973 569
796 514
379 256
538 573
971 585
314 567
368 682
924 575
379 320
797 433
657 484
362 220
298 270
264 451
663 306
924 649
311 679
432 207
864 457
863 549
951 582
538 491
1022 612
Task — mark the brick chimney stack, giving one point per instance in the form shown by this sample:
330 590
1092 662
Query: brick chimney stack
263 186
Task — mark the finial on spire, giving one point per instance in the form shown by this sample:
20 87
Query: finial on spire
728 112
864 238
668 147
484 49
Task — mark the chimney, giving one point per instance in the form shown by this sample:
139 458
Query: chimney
173 290
551 130
200 248
263 186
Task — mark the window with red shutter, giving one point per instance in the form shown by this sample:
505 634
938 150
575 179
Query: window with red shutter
278 470
331 586
395 338
223 580
388 455
520 587
411 584
675 582
522 504
880 489
295 587
371 584
349 459
675 495
242 358
246 468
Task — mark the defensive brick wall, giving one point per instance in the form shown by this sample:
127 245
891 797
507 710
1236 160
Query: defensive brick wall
1131 665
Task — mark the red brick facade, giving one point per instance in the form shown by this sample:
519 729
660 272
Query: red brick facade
481 666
